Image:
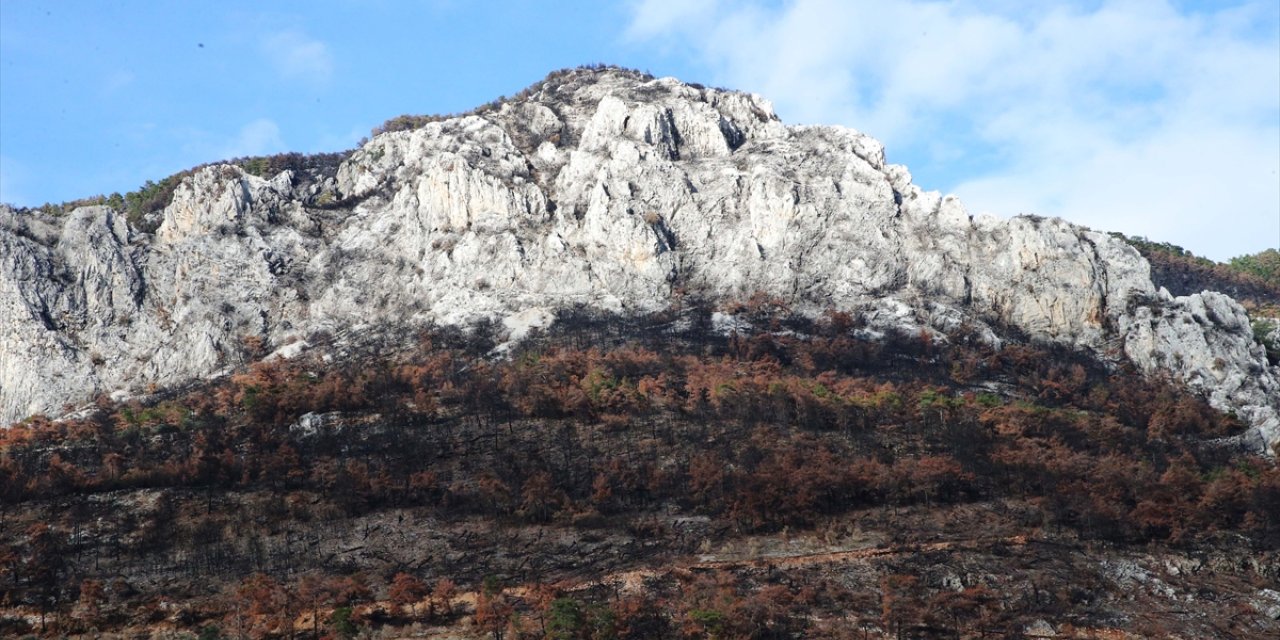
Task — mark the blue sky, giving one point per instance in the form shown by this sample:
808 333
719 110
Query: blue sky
1151 117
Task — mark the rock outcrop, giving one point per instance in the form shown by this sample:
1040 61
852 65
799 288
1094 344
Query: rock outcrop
603 188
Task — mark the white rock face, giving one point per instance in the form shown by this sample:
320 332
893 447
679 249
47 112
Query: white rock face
598 187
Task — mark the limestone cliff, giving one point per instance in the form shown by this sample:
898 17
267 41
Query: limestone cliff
600 187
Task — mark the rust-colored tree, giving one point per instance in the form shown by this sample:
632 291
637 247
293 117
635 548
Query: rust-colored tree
442 596
407 590
93 596
493 613
44 567
899 605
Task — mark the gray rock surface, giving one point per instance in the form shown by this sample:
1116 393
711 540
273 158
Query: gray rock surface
595 187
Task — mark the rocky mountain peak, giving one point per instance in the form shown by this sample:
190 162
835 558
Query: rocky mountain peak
598 187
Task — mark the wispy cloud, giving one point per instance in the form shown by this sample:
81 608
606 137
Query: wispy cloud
1131 116
297 56
260 137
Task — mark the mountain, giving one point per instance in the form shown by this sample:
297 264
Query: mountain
597 187
621 357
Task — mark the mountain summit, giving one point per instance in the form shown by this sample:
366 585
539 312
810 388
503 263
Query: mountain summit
598 187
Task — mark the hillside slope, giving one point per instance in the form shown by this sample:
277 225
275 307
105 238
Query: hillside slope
661 476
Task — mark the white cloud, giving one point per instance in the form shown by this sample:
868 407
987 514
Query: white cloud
1129 115
260 137
654 17
297 56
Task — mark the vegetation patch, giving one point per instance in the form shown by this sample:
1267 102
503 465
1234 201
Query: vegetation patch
139 205
1254 280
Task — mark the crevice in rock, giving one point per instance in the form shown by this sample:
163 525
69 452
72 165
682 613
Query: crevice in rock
1100 278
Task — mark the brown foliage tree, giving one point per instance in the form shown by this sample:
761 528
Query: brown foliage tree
407 590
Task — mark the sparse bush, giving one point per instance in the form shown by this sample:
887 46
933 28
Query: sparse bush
1262 330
